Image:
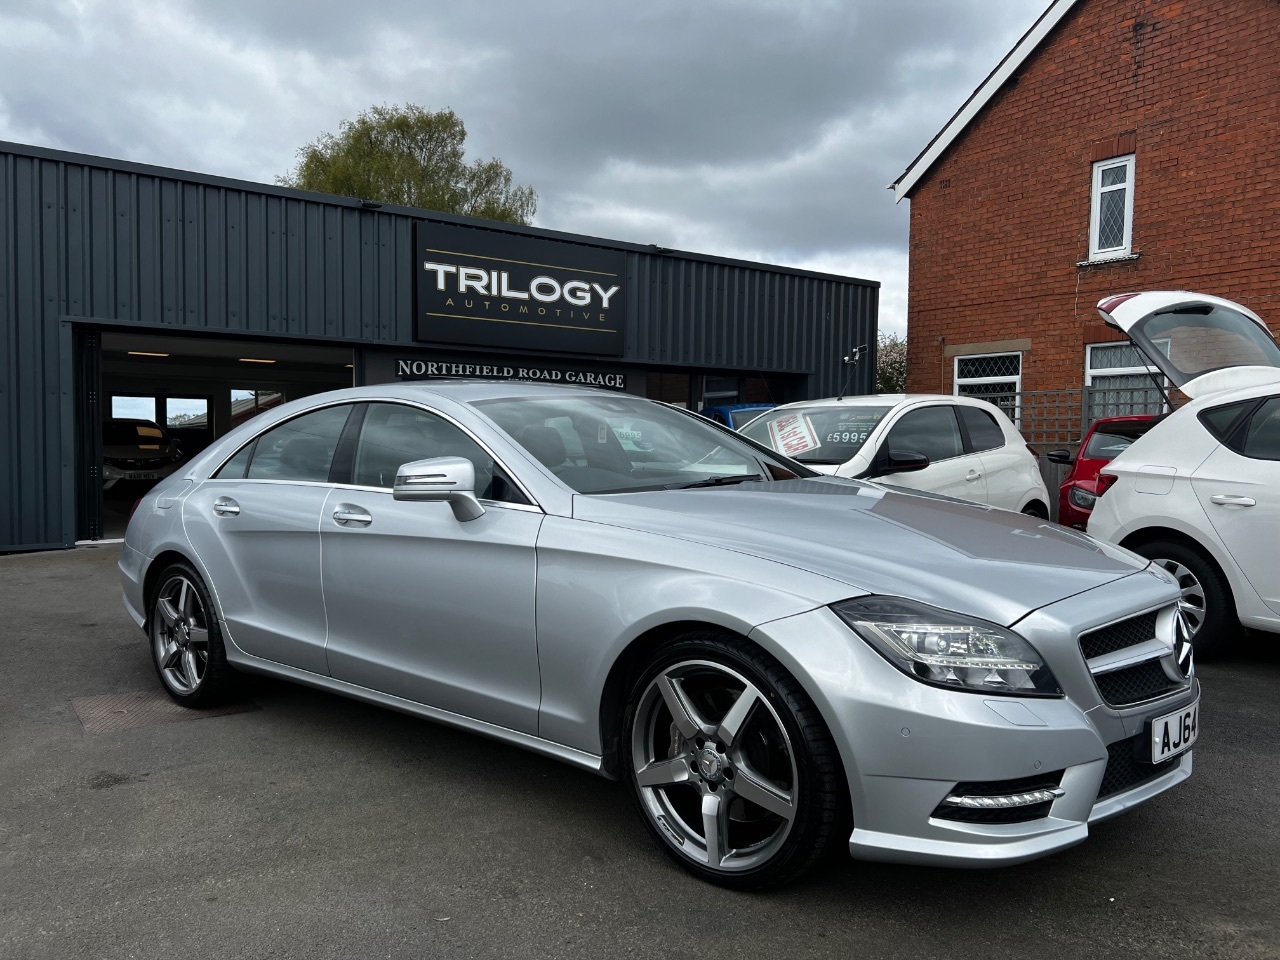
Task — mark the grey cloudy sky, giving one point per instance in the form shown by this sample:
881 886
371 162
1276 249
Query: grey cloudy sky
762 129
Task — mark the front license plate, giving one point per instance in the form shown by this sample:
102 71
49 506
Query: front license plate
144 476
1174 732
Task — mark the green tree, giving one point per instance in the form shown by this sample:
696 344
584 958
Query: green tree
891 363
410 156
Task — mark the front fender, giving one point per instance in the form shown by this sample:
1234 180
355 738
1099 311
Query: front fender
601 587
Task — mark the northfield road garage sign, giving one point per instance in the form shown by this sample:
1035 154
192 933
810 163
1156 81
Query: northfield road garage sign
484 288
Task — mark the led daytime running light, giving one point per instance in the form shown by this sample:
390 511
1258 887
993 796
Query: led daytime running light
1012 800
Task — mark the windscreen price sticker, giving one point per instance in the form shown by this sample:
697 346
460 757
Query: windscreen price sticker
792 435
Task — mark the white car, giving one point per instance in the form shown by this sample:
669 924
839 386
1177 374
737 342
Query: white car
957 446
1200 493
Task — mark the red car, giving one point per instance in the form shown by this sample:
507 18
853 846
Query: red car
1101 444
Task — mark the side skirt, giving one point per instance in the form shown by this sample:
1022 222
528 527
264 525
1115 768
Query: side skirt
251 664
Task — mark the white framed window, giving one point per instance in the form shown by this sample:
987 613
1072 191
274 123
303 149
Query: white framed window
1111 209
1120 382
995 377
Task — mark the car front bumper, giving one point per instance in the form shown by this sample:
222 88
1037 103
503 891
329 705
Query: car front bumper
906 746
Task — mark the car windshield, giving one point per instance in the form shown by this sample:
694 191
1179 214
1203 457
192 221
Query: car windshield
133 433
817 434
625 444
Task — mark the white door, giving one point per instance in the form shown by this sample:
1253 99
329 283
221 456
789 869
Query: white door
1240 491
934 431
1006 465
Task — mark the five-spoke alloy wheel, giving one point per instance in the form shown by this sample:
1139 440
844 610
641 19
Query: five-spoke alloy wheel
731 767
186 646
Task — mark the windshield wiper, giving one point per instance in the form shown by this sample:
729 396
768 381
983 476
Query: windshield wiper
717 481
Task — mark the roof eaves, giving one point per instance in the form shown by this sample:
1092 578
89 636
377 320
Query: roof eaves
981 97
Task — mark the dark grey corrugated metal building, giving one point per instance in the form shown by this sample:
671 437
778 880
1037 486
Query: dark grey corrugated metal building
130 290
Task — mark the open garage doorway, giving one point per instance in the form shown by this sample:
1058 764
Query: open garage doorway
164 398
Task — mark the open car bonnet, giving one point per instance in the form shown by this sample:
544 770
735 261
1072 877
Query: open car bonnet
1203 344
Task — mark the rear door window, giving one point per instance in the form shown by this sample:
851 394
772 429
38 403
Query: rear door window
300 449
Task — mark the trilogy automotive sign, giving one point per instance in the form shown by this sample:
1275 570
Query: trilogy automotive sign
412 369
495 289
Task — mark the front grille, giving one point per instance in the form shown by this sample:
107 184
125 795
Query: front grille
1117 636
1133 684
999 788
1136 684
1125 771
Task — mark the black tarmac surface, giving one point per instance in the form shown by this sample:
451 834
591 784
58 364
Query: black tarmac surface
316 827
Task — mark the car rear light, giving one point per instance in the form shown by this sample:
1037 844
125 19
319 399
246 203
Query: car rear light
1105 482
1034 452
134 508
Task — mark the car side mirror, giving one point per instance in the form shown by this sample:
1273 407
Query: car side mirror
1063 457
450 480
904 461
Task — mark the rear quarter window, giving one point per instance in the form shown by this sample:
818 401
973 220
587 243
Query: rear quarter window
984 432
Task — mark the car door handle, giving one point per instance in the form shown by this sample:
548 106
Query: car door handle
973 475
1227 500
346 513
226 507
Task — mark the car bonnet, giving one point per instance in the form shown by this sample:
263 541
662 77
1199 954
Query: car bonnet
964 557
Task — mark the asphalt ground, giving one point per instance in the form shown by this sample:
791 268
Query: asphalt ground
312 826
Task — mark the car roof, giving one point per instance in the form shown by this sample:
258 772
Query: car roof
879 400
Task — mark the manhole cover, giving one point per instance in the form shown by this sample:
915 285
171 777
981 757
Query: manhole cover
142 708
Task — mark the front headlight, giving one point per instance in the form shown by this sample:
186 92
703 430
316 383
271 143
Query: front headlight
947 649
1081 498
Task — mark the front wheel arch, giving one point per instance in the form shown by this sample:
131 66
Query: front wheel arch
622 674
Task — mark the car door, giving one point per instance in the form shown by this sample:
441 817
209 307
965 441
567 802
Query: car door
1006 470
934 431
1238 486
423 606
255 526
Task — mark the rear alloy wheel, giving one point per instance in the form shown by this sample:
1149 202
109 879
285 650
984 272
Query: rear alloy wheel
1206 605
1036 509
730 765
186 645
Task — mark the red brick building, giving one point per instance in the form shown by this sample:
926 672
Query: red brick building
1121 145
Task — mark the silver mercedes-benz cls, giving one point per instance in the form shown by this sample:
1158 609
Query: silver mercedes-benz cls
774 662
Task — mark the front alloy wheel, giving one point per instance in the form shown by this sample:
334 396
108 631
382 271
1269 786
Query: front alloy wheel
730 765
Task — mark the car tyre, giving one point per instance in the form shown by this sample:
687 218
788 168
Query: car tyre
730 764
1207 603
186 642
1036 509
